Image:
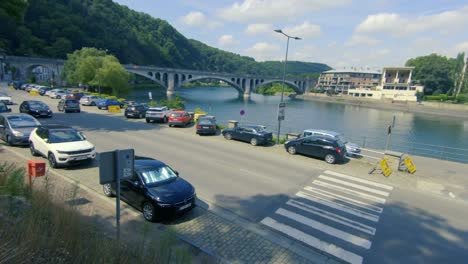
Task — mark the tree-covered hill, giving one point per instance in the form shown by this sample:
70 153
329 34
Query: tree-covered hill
53 28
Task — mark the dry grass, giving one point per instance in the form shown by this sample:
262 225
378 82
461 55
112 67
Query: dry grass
35 227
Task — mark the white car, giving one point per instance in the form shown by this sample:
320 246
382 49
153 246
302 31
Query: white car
6 99
52 92
61 145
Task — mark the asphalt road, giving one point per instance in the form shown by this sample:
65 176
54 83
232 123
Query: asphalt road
344 214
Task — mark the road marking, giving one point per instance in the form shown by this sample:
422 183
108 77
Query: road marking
357 186
358 241
348 191
345 199
383 186
313 241
338 206
331 216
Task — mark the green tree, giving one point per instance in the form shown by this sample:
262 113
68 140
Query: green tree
434 72
94 67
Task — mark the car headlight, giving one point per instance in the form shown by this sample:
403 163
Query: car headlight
17 133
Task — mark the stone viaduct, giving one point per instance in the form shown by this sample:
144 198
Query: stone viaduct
170 78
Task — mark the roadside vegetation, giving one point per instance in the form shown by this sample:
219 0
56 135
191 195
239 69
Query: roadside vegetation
273 89
38 226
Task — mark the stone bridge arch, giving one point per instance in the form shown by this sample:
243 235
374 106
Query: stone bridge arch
297 86
150 75
192 78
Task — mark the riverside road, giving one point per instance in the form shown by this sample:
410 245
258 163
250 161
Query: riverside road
335 209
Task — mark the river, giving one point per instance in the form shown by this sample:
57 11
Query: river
413 133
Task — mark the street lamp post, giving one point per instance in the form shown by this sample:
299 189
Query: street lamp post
281 105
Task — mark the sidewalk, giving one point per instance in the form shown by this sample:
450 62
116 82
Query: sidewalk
214 238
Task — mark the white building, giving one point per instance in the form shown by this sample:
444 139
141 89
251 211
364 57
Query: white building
396 84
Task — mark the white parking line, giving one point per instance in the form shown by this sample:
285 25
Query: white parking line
348 191
331 216
345 199
338 206
331 249
383 186
357 186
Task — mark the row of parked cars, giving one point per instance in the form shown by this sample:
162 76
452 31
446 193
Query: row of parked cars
155 188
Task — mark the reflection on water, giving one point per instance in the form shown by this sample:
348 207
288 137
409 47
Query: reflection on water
359 124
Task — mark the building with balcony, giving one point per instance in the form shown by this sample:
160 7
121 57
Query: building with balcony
395 84
340 81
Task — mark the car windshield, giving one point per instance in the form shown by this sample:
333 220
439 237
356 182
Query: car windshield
2 107
38 106
176 115
22 121
342 139
72 102
259 128
153 176
340 142
205 122
64 135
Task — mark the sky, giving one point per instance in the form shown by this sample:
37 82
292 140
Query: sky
340 33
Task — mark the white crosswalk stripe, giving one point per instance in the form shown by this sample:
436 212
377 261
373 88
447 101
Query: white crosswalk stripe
336 213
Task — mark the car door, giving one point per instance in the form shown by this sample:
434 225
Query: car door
248 134
313 147
132 190
238 133
39 140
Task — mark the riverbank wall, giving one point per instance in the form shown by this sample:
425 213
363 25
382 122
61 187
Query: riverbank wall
433 108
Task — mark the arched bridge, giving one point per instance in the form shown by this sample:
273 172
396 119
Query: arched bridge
171 79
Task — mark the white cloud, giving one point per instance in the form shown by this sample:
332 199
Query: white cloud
304 30
227 40
254 29
395 24
361 40
196 19
262 51
274 10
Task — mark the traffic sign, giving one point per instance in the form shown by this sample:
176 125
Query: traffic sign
386 170
242 112
410 165
281 111
150 95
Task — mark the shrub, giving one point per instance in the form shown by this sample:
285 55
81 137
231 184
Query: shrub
220 126
461 99
443 97
198 110
432 97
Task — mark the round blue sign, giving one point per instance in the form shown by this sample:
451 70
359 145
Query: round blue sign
242 112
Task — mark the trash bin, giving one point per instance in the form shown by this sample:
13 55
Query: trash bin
36 168
232 123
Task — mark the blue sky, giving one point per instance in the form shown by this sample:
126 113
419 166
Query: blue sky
340 33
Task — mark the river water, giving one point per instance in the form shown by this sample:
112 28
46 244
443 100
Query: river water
413 133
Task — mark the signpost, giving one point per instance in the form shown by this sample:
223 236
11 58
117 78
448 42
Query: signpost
281 111
115 166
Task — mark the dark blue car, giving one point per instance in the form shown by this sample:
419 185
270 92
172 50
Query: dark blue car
156 189
105 103
256 135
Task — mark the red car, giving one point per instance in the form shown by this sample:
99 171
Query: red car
179 118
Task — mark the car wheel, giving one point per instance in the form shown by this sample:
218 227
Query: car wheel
58 97
32 149
148 121
149 212
330 158
292 150
52 160
107 189
99 107
228 136
94 104
165 120
8 140
65 111
140 115
254 142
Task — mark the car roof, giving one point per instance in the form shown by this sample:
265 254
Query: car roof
33 101
15 114
321 137
142 162
179 111
332 133
56 127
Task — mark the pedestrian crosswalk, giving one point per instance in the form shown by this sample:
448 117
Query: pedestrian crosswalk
336 213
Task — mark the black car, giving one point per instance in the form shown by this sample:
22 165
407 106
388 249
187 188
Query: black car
138 111
206 125
328 148
256 135
35 108
4 108
156 190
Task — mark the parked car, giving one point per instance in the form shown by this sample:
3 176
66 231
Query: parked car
206 125
44 89
138 111
16 128
17 84
155 189
328 148
52 92
256 135
105 103
351 148
6 99
179 118
75 95
4 108
69 105
35 108
89 100
59 94
160 113
61 145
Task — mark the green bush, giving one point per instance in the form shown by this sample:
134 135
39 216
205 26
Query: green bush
220 126
432 97
443 97
461 99
198 110
175 103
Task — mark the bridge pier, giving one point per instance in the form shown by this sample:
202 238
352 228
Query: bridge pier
247 89
170 84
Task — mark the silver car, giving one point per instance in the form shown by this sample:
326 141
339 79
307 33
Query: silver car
16 128
89 100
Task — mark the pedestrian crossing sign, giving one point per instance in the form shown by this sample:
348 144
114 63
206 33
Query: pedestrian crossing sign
386 170
409 164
